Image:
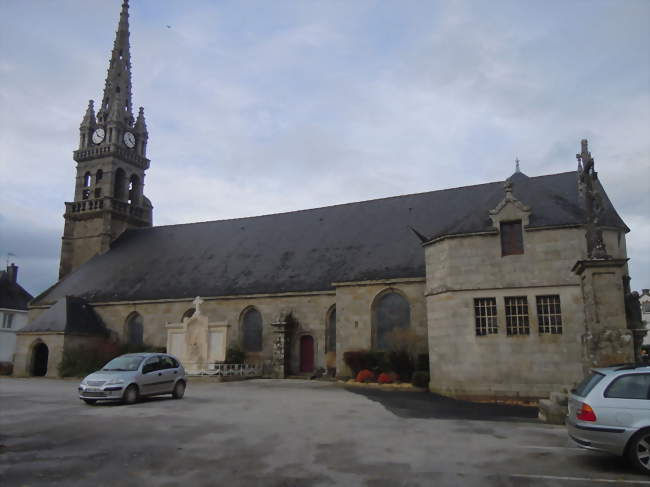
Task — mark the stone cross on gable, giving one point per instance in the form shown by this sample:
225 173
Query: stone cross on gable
197 303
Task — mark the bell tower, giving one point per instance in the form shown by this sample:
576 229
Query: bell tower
111 164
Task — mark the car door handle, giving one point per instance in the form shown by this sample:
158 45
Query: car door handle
176 372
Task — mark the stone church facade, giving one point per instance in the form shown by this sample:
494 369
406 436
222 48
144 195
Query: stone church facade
501 283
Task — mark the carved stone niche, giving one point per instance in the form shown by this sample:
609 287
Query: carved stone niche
196 342
510 209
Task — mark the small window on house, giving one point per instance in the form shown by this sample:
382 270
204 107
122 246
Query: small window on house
549 314
485 313
98 192
646 307
512 242
7 320
517 316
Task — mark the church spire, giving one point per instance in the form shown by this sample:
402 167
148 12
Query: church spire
118 78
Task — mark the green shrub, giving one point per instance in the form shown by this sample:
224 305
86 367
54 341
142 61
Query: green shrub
402 363
81 361
6 368
356 361
421 379
235 355
422 362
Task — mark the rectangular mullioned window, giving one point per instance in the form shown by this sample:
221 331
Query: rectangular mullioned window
517 322
549 314
7 320
485 312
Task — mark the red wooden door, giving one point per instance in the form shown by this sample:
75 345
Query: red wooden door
306 353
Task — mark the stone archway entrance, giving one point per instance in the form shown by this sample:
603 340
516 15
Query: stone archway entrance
306 353
40 354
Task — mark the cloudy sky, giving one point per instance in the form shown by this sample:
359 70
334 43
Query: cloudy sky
258 107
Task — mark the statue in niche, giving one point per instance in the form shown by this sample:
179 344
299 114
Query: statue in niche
593 203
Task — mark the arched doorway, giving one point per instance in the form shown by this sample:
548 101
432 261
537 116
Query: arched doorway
306 353
40 354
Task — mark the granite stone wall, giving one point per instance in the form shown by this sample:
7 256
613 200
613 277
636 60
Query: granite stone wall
464 364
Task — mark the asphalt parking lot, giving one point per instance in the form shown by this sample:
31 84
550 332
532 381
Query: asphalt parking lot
284 433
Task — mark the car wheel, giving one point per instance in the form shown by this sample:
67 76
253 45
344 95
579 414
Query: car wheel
638 451
131 394
179 390
91 402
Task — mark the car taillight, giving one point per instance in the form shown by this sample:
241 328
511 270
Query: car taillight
586 413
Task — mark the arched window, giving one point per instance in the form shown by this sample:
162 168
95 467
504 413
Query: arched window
119 184
330 331
134 190
188 314
99 175
391 312
134 329
252 331
87 180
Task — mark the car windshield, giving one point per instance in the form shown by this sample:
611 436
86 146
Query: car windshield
587 384
125 362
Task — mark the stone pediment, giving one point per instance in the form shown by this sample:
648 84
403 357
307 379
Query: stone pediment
509 209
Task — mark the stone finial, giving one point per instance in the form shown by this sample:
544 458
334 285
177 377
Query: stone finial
509 208
89 120
197 305
140 123
587 177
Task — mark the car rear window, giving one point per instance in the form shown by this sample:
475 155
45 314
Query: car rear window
587 384
631 386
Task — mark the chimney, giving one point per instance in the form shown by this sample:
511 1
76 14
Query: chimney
645 291
12 272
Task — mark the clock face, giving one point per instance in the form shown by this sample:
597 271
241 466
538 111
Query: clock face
129 140
98 135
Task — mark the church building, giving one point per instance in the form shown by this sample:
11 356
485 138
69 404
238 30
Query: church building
512 287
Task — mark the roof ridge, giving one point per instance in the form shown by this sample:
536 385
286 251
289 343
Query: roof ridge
304 210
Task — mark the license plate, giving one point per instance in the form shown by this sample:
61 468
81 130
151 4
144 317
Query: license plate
93 389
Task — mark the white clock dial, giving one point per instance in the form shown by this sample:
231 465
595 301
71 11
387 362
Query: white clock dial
129 140
98 135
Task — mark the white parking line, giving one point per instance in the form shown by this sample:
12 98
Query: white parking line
583 479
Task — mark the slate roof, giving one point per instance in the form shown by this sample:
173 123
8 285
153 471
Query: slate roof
12 294
309 250
69 315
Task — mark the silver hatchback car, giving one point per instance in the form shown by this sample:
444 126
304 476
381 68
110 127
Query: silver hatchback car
610 411
134 375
